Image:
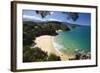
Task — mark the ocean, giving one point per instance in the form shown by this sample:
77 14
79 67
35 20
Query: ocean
79 38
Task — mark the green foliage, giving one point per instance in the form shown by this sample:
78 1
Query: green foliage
34 54
43 13
53 57
58 26
37 29
31 30
37 55
27 39
74 16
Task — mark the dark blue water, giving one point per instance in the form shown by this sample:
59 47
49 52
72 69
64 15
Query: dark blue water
78 38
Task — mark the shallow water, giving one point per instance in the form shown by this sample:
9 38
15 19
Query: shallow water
78 38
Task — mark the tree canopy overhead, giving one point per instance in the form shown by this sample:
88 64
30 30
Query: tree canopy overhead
71 15
43 13
74 16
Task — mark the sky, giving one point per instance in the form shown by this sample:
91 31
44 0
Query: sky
84 18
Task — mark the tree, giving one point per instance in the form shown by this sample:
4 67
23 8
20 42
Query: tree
34 55
37 55
72 15
43 13
53 57
27 39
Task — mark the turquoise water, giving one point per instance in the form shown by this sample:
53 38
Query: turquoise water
78 38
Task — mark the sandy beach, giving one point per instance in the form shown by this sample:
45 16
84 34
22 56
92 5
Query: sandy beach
45 43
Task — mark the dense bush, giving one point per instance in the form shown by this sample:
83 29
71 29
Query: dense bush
37 55
31 30
34 55
53 57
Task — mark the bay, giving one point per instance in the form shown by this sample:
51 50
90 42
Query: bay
79 38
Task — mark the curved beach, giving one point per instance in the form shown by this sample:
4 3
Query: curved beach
46 43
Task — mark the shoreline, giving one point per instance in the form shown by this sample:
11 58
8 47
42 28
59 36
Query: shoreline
63 56
46 43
